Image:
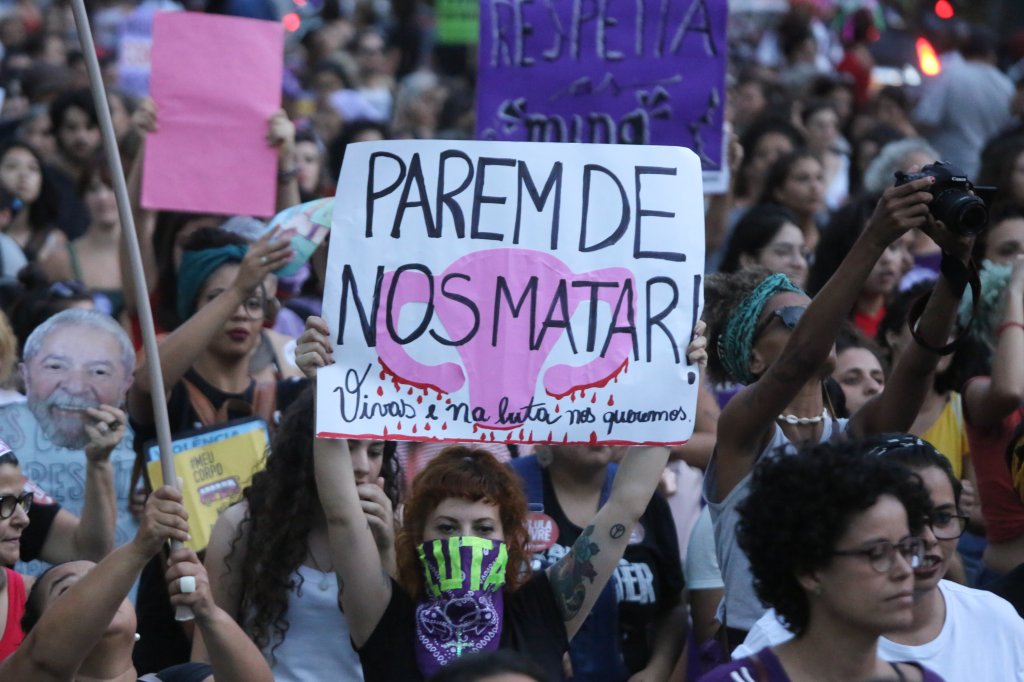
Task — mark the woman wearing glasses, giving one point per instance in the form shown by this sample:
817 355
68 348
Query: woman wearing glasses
206 373
952 623
754 340
836 561
14 505
222 300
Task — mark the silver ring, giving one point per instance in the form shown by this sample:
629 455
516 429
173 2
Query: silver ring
263 260
102 426
187 584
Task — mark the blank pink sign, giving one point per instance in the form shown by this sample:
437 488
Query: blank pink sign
216 80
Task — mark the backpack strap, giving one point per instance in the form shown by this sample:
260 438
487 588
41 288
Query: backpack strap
201 404
264 402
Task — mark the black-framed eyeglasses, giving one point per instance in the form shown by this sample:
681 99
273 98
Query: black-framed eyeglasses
882 555
789 314
8 503
947 525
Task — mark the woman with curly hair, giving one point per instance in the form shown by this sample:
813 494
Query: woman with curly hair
464 583
835 561
269 562
766 334
952 622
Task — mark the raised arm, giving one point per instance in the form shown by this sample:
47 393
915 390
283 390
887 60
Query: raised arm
989 401
745 422
364 587
91 536
77 619
281 135
578 578
233 656
716 218
180 350
895 408
224 560
144 122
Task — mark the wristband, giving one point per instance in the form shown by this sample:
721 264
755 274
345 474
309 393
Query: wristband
1007 325
284 176
955 272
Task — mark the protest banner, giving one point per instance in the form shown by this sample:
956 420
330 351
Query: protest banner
215 80
215 465
515 292
644 72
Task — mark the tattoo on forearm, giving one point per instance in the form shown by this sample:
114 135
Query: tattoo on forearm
568 579
617 531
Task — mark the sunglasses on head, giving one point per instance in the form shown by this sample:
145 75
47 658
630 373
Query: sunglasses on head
789 315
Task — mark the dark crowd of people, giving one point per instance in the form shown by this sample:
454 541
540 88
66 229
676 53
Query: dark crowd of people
849 508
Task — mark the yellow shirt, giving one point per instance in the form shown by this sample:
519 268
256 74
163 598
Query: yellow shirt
949 435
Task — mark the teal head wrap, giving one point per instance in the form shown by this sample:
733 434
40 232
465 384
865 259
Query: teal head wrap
737 338
196 268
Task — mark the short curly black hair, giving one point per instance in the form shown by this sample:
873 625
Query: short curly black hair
800 505
722 293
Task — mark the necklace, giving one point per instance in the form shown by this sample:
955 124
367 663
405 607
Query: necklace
803 421
325 578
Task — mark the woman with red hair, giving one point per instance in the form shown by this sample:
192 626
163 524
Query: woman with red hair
464 583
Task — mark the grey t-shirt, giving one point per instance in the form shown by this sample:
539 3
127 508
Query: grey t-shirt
741 607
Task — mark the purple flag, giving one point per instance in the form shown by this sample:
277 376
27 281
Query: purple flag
641 72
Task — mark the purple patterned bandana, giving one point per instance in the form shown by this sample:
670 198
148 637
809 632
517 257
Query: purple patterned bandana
462 609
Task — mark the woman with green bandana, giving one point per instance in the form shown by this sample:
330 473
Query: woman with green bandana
755 340
222 299
464 583
206 373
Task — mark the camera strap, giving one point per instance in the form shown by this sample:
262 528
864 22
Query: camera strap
959 277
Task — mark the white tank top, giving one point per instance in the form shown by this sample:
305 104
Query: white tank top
317 642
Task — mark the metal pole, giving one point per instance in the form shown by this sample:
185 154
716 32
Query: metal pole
131 237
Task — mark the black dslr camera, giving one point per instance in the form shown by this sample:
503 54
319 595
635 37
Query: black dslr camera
954 204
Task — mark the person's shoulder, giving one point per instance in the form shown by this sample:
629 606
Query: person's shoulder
233 516
986 606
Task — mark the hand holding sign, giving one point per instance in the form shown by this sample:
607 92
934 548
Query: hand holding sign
312 348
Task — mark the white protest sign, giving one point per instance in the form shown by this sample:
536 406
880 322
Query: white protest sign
513 292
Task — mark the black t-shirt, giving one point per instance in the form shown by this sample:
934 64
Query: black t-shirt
533 626
648 580
183 416
40 519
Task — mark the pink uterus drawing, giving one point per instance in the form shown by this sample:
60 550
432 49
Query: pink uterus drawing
509 369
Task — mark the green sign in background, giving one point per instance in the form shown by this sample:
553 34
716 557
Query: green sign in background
458 22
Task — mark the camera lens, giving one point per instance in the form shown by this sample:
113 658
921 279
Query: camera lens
973 216
961 212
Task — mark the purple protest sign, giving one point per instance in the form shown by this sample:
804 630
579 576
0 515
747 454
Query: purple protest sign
644 72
